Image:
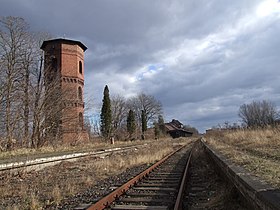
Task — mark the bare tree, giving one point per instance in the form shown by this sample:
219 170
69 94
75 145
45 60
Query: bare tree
33 108
13 39
20 77
119 113
36 100
95 125
47 108
258 114
149 104
30 60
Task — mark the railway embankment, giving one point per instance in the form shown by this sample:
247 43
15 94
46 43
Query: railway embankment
257 192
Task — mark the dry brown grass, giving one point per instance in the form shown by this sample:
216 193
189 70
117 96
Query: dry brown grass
116 164
13 208
35 204
49 186
56 194
256 150
28 153
70 189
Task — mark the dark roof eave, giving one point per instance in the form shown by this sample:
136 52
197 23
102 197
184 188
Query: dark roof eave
64 41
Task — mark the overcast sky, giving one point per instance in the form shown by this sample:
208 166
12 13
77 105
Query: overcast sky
201 58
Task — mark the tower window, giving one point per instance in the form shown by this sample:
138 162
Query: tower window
54 64
80 93
80 67
81 120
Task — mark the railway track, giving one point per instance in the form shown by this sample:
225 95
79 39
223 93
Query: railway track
186 179
40 163
211 184
159 187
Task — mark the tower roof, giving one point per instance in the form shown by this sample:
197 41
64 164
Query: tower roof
66 41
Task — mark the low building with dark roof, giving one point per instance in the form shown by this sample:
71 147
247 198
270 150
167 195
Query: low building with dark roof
175 129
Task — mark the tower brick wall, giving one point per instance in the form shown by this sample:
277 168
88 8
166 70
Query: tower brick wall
64 62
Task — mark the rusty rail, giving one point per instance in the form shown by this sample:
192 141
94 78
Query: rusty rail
178 204
107 200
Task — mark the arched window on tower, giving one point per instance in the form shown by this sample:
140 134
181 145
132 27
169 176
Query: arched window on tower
80 67
54 63
51 73
81 120
80 94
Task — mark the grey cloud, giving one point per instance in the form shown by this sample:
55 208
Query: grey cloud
239 63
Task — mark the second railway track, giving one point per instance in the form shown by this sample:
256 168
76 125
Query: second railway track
40 163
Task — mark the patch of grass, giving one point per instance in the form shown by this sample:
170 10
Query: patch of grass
70 189
35 204
56 194
52 184
13 208
256 150
47 151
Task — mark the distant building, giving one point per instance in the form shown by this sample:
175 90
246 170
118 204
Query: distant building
175 129
64 63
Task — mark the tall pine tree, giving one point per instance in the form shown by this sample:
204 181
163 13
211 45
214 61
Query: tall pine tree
106 114
144 123
156 130
161 126
131 124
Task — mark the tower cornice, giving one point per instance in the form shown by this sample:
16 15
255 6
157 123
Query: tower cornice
64 41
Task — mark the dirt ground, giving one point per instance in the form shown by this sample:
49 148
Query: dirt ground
206 189
64 185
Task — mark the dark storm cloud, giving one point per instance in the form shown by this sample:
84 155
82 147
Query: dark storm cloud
202 59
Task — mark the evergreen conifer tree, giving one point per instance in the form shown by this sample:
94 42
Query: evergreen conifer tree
156 130
144 123
161 126
106 114
131 125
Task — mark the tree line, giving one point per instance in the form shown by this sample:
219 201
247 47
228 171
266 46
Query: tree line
259 114
27 105
24 101
30 110
132 116
254 115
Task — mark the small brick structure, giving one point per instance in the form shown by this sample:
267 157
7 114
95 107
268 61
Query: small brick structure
64 64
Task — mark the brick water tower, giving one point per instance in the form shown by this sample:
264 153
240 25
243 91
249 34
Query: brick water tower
64 80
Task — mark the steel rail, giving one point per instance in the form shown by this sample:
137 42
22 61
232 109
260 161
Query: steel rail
58 159
107 200
178 204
